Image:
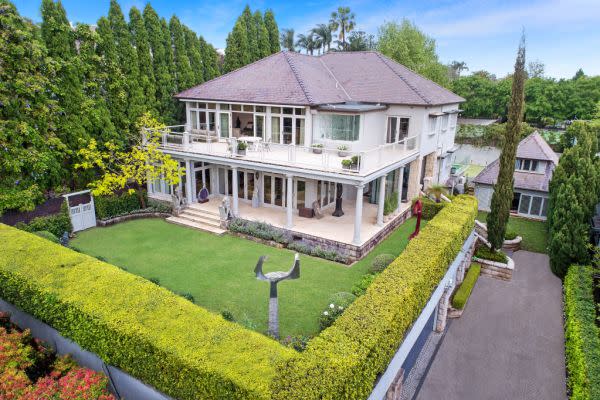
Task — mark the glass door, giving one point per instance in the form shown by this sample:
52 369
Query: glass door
224 125
299 132
276 129
288 127
392 131
300 194
259 125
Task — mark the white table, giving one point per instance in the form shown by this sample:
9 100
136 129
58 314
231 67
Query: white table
254 140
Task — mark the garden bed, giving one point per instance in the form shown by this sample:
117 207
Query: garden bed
497 265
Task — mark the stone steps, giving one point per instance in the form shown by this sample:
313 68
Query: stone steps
195 216
196 225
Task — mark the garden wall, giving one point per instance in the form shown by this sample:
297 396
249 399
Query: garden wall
150 333
344 361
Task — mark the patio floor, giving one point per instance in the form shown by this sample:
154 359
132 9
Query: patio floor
340 229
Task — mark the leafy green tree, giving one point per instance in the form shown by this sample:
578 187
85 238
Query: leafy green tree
262 35
306 42
237 51
272 30
31 153
127 62
160 49
194 53
210 60
361 41
140 40
456 68
251 33
287 39
342 20
184 77
503 189
409 46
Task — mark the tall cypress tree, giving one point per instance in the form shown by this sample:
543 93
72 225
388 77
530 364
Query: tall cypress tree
237 50
139 37
30 159
164 80
128 63
262 35
60 43
273 31
210 60
115 83
194 52
251 36
183 71
503 190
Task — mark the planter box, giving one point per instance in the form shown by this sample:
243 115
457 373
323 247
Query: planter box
343 153
495 269
241 153
512 245
317 150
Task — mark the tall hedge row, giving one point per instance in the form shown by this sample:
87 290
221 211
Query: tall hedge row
582 336
344 361
162 339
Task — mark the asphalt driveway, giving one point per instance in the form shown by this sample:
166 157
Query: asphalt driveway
509 342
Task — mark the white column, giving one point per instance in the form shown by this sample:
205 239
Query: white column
188 181
381 200
358 214
400 184
290 201
234 189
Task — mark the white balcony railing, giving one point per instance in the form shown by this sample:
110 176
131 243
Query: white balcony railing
324 159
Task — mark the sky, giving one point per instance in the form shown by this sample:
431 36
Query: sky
564 35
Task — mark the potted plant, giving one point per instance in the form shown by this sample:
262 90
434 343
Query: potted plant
241 147
343 151
351 164
437 191
317 148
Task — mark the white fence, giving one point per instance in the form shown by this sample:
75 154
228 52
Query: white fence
83 216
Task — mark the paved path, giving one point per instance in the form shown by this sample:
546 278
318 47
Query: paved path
509 342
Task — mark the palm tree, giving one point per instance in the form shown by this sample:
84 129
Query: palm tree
437 191
307 42
287 39
342 19
323 36
457 67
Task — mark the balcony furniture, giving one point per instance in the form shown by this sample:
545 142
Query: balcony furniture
203 195
251 140
306 212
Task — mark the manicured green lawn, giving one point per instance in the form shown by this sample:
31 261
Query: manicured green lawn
534 233
219 270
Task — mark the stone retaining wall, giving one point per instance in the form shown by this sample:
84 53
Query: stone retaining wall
129 217
495 269
512 245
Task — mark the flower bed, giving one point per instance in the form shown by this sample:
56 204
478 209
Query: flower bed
30 371
179 348
344 361
582 335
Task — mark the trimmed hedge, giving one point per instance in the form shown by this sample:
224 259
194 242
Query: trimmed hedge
56 224
582 335
179 348
112 206
464 291
344 361
486 253
430 207
47 235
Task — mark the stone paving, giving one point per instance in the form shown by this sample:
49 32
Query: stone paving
509 342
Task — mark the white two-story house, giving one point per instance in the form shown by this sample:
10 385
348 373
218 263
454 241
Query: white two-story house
314 125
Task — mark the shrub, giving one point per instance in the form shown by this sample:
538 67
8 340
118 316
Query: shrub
108 207
317 251
156 281
344 360
260 230
179 348
360 287
296 342
330 314
510 235
227 315
431 208
380 262
390 204
464 291
582 335
188 296
56 224
343 299
47 235
486 253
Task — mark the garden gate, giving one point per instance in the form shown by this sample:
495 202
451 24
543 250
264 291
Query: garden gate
81 210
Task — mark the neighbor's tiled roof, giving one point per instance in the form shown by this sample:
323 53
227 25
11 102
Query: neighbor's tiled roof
336 77
532 147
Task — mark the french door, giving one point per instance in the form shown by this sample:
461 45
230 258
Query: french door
224 125
274 190
397 129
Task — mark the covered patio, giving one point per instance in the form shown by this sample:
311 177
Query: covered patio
340 229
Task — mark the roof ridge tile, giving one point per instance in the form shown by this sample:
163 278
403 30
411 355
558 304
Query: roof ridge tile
302 84
414 89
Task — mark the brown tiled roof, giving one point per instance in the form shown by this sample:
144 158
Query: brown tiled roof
336 77
532 147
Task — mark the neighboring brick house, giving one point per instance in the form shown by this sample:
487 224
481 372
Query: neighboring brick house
533 171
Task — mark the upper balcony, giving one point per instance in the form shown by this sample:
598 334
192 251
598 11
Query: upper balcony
175 139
